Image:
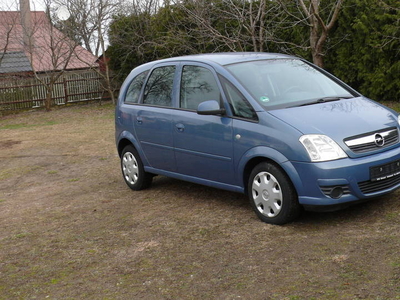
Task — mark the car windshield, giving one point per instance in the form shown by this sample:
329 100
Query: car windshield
282 83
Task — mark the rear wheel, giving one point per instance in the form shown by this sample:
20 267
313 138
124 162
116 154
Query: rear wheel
133 171
272 194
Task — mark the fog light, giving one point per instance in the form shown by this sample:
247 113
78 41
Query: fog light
336 192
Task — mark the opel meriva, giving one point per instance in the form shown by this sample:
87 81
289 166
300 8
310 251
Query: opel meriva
275 127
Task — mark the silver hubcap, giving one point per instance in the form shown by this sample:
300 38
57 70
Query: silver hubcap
130 168
267 194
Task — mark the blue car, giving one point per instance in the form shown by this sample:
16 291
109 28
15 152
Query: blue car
275 127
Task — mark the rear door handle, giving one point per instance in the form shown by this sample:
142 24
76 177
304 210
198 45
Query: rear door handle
180 127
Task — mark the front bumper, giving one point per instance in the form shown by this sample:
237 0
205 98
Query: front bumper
320 184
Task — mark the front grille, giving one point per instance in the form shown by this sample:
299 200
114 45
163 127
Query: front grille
368 187
368 142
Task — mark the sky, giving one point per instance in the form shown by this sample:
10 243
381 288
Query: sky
37 5
14 5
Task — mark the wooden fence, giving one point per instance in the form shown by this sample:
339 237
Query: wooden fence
31 93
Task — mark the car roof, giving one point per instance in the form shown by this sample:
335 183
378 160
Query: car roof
226 58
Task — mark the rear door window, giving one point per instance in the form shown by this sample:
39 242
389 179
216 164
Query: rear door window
158 90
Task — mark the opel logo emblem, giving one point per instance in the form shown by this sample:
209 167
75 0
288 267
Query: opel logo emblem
379 140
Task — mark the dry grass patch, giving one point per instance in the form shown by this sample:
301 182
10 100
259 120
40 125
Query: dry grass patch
71 229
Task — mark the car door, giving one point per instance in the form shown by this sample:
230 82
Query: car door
246 127
203 143
153 123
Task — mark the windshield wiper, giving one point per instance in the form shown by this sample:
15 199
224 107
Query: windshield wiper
326 99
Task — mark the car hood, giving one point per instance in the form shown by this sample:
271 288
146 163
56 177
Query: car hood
339 119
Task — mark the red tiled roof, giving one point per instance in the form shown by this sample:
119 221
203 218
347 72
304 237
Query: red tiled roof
51 50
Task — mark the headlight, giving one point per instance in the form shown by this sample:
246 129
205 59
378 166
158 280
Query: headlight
321 147
398 119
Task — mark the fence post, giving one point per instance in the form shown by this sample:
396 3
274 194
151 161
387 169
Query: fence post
65 90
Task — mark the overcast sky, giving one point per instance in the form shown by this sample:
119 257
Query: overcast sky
14 5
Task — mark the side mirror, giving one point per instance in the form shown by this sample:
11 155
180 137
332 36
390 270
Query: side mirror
210 107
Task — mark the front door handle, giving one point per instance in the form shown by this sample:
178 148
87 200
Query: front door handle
180 127
139 120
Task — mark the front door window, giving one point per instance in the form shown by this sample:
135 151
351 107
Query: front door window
198 85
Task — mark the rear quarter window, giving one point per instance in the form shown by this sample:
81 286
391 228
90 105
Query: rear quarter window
135 87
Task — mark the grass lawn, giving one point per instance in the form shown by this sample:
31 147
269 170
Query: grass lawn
72 229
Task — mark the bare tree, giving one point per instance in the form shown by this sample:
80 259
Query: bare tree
139 29
319 17
202 14
81 25
237 24
50 52
103 13
89 20
50 55
88 25
259 23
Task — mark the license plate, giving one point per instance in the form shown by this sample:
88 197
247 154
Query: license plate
385 171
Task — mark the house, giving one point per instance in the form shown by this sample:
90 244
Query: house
40 65
29 43
102 61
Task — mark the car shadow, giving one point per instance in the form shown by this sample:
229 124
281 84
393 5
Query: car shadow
369 211
192 190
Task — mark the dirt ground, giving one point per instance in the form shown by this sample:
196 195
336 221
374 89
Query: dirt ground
71 229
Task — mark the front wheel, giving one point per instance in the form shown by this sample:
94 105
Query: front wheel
272 194
133 171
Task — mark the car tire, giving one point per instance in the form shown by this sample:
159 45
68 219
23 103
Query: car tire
272 194
133 171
